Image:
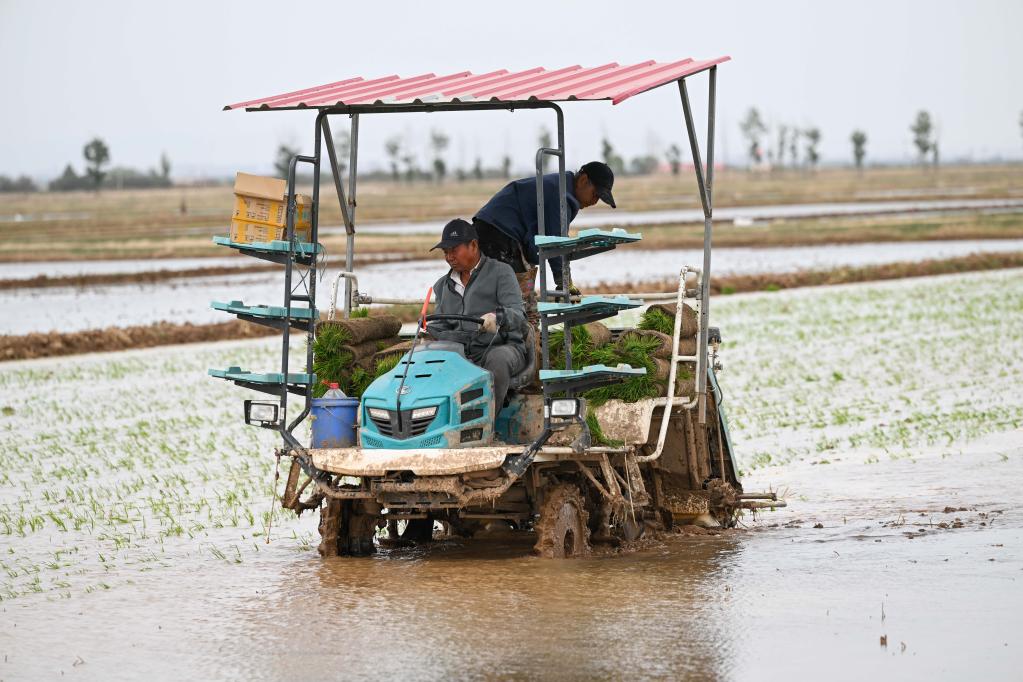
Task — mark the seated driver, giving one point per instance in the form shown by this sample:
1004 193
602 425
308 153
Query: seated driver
478 286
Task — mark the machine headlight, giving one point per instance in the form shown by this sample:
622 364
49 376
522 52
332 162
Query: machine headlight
377 413
565 407
424 412
261 414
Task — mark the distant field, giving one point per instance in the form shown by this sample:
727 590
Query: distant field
180 221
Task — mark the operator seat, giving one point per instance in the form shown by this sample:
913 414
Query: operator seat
528 374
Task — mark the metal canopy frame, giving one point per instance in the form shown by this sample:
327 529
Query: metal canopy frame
347 202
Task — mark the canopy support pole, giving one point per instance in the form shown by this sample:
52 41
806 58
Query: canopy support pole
347 203
542 229
353 172
705 185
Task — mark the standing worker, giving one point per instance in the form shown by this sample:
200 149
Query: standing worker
507 225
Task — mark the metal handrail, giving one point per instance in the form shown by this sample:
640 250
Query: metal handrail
669 399
354 286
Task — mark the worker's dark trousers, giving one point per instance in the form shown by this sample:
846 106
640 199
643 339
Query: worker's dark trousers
499 246
503 362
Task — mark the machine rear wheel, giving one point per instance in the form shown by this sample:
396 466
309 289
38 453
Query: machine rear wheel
562 530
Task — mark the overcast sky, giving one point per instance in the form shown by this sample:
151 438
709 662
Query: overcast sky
152 77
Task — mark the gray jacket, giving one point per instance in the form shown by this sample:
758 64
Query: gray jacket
493 284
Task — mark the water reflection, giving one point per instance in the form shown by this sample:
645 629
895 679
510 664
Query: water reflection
488 608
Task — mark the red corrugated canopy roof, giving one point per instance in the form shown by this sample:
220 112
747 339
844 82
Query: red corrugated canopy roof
610 81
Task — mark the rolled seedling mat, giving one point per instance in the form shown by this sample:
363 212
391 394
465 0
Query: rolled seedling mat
686 346
600 335
661 317
361 351
358 330
398 349
685 378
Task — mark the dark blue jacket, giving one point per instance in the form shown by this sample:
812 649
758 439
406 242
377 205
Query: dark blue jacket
513 211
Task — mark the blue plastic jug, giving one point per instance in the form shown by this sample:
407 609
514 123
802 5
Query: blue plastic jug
335 419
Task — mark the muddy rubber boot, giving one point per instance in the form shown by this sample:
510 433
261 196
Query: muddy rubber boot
527 282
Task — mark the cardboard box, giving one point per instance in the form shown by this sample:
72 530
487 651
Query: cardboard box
262 200
247 232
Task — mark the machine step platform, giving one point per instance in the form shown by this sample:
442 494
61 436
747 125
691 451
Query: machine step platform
589 309
269 316
275 251
586 243
591 376
265 383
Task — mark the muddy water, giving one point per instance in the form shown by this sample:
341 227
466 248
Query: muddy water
153 563
781 599
70 268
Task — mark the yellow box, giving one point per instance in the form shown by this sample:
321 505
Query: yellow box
246 232
259 199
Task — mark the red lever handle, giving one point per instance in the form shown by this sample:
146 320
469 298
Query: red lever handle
426 304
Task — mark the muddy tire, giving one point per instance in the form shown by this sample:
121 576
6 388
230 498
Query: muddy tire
330 527
345 529
562 531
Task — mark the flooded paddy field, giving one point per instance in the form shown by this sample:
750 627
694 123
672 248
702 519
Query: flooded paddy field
70 309
32 269
741 215
135 504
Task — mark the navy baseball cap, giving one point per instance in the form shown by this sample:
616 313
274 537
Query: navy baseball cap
602 178
456 232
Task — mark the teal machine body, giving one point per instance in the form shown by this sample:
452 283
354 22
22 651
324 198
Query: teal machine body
446 402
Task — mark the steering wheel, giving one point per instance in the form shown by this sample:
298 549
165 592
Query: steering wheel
437 317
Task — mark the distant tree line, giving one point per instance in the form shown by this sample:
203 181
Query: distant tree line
404 165
96 176
22 183
793 147
754 131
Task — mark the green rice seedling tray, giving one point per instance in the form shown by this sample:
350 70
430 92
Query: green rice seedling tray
555 380
266 383
276 251
589 309
268 315
586 243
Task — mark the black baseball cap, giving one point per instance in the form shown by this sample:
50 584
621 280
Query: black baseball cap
456 232
602 178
